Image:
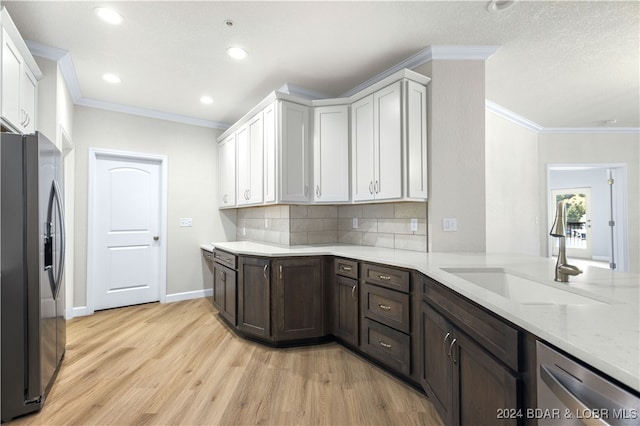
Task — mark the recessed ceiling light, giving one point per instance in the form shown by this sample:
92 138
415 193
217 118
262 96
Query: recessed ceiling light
109 15
496 6
237 52
111 78
207 100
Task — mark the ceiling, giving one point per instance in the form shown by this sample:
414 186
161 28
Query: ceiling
560 64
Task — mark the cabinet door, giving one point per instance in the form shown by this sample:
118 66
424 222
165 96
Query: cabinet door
331 154
416 140
230 296
482 384
346 310
11 77
218 286
270 165
436 366
227 172
256 155
28 93
254 296
362 158
298 299
388 142
243 165
294 152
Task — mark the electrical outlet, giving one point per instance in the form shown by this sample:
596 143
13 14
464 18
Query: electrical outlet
244 230
266 222
449 224
414 224
354 223
186 222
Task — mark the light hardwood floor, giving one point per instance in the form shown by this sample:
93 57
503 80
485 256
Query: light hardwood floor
176 363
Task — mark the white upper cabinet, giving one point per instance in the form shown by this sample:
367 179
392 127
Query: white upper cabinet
331 154
294 147
389 144
19 82
227 172
250 162
270 152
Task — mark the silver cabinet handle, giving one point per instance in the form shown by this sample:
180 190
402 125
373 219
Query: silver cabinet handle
318 191
444 342
385 307
568 398
371 187
346 268
224 198
248 194
353 292
264 272
280 272
384 277
450 354
28 120
376 187
384 345
306 190
156 238
224 277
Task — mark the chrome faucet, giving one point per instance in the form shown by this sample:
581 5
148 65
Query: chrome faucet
563 269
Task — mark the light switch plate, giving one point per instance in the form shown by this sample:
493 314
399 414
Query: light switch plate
186 221
449 224
414 224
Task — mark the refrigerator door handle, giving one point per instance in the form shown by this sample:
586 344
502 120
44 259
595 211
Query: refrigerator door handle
55 280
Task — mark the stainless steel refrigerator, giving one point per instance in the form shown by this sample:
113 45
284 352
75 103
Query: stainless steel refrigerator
31 271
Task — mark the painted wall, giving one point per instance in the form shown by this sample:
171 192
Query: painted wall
595 148
456 153
192 188
512 187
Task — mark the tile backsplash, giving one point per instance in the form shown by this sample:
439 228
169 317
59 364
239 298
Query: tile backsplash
378 225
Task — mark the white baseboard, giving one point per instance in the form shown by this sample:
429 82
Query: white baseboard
79 311
188 295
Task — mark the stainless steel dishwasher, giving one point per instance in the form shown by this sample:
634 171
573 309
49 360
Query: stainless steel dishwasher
571 394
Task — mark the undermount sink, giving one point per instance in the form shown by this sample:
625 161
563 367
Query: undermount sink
520 289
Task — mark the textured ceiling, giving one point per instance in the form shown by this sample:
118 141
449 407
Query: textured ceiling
561 64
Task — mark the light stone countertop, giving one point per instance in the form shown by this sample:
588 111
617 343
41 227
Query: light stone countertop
604 335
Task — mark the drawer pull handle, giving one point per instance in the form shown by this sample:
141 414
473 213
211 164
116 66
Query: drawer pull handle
224 277
264 272
384 345
353 293
384 277
451 354
385 307
346 268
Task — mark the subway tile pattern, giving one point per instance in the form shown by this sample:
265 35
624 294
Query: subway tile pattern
379 225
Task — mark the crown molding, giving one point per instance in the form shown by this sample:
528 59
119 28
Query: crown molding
301 92
428 54
531 125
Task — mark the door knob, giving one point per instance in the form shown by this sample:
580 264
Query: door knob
156 238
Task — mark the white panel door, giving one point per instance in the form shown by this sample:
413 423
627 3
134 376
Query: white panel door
126 220
388 142
331 154
28 94
362 159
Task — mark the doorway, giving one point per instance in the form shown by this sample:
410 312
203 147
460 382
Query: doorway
597 211
127 229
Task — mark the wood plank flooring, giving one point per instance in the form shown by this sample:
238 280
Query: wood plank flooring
176 363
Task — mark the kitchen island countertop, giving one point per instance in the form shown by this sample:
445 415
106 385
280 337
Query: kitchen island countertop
603 335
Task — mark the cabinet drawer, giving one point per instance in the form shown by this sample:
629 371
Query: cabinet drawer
225 258
387 345
392 278
346 268
496 336
207 255
386 306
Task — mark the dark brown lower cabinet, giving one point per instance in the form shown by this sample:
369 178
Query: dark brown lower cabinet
298 299
224 291
254 296
465 383
345 320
